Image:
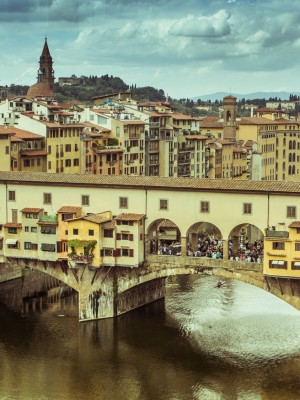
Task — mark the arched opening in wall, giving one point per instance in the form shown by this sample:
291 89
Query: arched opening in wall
204 240
163 237
246 243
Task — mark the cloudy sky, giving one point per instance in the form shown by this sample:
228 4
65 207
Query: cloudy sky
185 47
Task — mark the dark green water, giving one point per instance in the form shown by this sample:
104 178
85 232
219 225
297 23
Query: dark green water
237 342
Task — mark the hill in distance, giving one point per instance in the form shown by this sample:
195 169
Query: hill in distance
248 96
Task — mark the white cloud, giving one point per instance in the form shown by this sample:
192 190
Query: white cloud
211 26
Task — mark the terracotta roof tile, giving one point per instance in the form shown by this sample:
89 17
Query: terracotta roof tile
294 224
129 217
196 137
70 209
12 225
34 153
167 224
20 133
31 210
149 182
109 225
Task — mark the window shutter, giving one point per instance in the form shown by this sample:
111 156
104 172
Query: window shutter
131 223
118 236
131 237
101 252
116 253
118 222
131 253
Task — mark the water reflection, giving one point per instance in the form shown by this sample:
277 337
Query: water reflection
236 342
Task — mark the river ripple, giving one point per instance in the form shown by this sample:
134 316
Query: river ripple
236 342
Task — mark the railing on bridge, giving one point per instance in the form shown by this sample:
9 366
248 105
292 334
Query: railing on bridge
182 261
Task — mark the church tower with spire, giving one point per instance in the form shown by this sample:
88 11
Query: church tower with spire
45 80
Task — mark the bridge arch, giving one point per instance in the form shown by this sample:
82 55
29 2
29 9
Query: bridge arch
246 240
201 237
163 237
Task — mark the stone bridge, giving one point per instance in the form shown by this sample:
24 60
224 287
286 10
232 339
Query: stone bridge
111 291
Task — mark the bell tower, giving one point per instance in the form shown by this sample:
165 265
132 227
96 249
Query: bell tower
44 88
46 72
229 117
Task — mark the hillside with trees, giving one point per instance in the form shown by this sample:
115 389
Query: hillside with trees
92 86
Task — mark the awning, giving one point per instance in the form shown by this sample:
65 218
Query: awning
11 241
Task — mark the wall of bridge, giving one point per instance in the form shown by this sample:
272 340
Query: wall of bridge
109 292
269 208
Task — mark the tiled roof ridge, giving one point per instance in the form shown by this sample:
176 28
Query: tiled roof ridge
148 182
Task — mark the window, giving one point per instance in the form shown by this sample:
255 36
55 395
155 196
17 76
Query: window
48 247
67 148
66 216
204 206
31 215
91 232
297 246
11 195
125 236
247 208
291 212
26 163
26 228
48 229
12 230
76 162
75 231
68 163
278 264
6 149
47 198
108 233
107 252
123 201
33 229
14 215
85 200
30 246
295 265
163 204
278 245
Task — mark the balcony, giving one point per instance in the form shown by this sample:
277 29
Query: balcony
184 160
277 234
80 258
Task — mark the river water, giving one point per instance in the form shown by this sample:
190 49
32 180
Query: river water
201 342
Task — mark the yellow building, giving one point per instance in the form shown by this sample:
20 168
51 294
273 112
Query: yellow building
5 144
131 136
282 252
64 214
85 239
101 240
66 148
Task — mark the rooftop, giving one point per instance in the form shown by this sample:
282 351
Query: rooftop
150 183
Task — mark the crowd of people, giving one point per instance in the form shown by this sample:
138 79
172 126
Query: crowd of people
213 248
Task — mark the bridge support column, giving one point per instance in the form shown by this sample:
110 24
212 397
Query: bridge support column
225 250
194 241
235 245
183 241
97 301
148 245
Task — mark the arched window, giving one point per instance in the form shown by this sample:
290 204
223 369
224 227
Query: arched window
294 144
293 170
290 144
290 170
283 153
283 166
228 115
294 157
290 157
284 141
